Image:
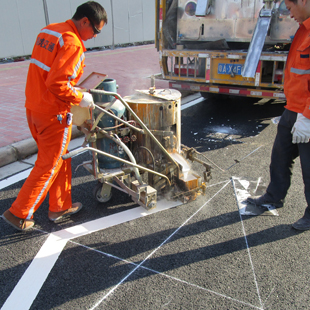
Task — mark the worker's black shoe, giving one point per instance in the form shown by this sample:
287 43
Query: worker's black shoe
261 201
302 224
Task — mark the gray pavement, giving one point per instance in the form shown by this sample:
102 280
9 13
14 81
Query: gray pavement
206 254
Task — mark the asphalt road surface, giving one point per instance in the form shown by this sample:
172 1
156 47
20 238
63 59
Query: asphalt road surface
211 253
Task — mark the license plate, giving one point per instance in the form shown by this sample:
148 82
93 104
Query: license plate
229 69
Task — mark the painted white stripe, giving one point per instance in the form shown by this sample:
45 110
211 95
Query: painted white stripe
114 219
24 174
15 178
154 251
32 280
169 277
44 261
238 199
46 258
35 275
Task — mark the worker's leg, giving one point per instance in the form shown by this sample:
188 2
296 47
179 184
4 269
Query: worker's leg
304 151
52 138
60 190
282 158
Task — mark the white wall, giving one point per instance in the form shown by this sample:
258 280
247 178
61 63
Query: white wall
20 23
129 21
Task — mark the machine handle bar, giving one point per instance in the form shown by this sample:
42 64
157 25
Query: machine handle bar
73 153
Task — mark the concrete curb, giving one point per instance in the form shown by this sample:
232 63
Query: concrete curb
22 149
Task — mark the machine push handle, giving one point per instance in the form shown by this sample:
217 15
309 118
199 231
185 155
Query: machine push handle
80 150
71 154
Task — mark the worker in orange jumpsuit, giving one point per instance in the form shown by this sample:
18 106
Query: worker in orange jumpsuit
55 68
293 133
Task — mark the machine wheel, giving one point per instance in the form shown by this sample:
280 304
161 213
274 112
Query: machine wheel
102 192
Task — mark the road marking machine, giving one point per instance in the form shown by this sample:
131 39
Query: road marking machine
136 147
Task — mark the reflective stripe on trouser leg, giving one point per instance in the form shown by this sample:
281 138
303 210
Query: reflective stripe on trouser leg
53 139
60 190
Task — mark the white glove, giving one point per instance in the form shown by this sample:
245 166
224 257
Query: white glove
301 129
87 101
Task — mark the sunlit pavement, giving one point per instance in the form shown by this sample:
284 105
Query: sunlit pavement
206 254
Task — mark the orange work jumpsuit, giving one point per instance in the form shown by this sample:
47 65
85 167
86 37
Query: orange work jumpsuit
56 66
297 72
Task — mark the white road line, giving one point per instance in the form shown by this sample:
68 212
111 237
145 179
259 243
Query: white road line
246 242
32 280
15 178
154 251
21 175
269 295
34 277
168 276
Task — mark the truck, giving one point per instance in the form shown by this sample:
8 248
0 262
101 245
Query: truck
231 47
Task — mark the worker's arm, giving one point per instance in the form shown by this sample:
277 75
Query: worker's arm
64 74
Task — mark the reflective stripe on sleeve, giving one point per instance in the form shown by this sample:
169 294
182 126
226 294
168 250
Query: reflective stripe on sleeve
77 67
72 88
74 75
300 71
55 34
40 64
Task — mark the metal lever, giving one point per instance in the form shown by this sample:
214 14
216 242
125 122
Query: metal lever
257 43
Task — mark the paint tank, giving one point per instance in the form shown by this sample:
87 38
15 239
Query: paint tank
107 85
160 111
109 124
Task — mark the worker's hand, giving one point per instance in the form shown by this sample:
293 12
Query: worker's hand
87 101
301 129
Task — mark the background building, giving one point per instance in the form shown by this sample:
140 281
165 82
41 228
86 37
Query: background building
129 21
